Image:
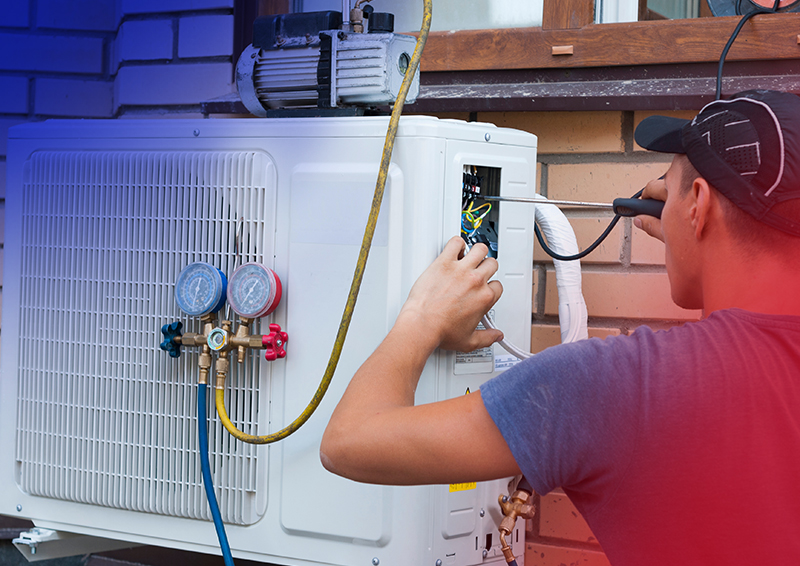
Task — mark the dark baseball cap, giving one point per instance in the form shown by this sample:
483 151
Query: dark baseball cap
747 147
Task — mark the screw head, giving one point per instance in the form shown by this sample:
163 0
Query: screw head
483 512
487 137
19 508
438 562
375 561
485 553
196 133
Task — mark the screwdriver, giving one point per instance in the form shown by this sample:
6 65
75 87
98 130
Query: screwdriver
620 206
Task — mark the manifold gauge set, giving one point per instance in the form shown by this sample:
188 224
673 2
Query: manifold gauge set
252 292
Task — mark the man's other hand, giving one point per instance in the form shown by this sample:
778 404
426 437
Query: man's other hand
450 297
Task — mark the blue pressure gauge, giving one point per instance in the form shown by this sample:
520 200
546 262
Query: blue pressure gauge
200 289
254 291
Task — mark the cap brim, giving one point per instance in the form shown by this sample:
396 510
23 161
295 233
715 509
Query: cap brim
661 133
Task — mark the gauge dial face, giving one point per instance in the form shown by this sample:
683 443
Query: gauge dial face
200 289
254 290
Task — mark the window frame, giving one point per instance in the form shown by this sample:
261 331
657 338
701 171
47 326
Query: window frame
571 63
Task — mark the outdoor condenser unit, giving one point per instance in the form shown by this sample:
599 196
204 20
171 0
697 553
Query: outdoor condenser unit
98 425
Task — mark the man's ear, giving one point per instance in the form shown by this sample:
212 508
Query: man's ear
700 208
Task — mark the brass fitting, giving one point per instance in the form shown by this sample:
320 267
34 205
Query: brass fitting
357 16
357 20
221 340
222 369
209 322
242 334
518 505
205 364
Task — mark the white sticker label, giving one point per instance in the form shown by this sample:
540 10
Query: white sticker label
505 361
476 357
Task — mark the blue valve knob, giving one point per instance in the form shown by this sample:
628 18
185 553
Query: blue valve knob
170 332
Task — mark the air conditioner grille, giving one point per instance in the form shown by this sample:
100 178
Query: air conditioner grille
104 416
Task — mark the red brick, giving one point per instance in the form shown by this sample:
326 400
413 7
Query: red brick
624 295
565 132
543 336
645 249
586 232
600 182
537 554
599 332
560 519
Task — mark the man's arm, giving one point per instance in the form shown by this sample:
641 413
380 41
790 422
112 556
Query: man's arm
376 434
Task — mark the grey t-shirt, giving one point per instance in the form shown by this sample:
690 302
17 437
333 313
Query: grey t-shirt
679 447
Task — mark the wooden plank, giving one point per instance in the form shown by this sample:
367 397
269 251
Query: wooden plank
770 36
567 14
668 93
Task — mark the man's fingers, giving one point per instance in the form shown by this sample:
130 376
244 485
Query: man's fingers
497 289
454 248
475 256
650 225
484 338
656 189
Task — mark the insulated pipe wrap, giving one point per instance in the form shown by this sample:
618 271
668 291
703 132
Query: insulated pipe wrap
572 313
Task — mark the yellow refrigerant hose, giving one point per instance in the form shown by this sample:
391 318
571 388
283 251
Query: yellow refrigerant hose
366 243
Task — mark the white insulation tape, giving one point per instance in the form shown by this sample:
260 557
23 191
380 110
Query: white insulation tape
572 314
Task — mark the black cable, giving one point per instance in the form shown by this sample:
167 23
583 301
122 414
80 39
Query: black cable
733 36
588 250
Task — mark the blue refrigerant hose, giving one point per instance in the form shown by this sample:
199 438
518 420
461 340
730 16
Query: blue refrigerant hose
202 427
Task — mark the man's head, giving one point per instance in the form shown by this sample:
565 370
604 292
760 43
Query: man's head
736 176
746 147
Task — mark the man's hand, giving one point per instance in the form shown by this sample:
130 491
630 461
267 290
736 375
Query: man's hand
376 434
655 189
451 296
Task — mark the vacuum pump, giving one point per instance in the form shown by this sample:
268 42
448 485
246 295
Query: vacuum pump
314 60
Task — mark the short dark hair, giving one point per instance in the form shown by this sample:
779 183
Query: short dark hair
754 236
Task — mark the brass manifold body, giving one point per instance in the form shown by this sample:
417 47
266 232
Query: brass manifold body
518 505
221 340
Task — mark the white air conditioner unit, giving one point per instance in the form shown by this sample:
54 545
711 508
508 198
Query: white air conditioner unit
98 426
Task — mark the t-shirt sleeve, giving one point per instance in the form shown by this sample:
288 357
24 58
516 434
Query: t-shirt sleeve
570 414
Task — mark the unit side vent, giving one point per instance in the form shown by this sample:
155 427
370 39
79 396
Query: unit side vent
104 416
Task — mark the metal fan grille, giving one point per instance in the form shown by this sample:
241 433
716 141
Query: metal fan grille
104 416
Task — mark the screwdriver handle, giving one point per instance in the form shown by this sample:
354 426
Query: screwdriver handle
637 206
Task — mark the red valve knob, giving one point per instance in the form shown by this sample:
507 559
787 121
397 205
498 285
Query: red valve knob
274 343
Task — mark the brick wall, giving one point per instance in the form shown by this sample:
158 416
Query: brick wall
170 55
110 58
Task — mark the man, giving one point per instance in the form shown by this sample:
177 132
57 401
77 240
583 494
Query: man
678 446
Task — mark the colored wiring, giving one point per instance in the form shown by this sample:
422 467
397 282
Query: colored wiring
470 221
208 484
361 264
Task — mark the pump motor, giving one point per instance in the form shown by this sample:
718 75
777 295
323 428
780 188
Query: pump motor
306 60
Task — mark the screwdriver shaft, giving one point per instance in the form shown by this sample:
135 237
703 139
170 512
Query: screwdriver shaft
566 203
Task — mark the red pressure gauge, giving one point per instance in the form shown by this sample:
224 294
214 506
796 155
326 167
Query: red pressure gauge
254 290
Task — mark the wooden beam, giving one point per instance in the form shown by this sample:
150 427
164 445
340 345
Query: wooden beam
765 37
567 14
